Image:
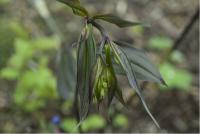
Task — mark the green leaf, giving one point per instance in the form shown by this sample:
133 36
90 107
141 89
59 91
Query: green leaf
66 73
76 7
120 121
126 65
69 125
93 122
116 20
119 96
176 78
110 75
85 63
141 65
160 43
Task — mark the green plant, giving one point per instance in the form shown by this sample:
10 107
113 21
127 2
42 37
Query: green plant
99 63
28 65
176 78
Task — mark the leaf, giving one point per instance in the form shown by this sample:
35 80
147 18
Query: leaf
116 20
76 7
141 65
120 120
66 73
124 62
160 43
93 122
110 75
119 96
92 50
85 63
176 78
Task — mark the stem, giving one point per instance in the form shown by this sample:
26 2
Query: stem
99 27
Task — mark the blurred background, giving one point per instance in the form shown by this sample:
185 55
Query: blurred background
33 33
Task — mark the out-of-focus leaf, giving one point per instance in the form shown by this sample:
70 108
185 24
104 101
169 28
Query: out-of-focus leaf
6 42
160 43
120 121
116 20
177 56
126 65
23 52
93 122
34 88
69 125
19 30
85 63
76 7
66 82
3 2
141 65
176 78
45 43
9 73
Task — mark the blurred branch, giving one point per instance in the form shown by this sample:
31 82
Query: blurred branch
41 7
176 45
185 32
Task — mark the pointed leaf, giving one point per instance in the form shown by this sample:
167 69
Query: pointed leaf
110 74
116 20
92 51
141 64
119 96
124 62
76 7
85 62
140 73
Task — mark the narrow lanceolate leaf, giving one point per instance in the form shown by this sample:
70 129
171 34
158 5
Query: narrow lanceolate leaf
116 20
66 73
85 62
126 65
92 50
76 7
110 74
119 96
141 65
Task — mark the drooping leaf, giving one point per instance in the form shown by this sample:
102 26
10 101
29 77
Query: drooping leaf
66 73
119 96
140 73
76 7
85 63
92 51
116 20
126 65
112 80
141 65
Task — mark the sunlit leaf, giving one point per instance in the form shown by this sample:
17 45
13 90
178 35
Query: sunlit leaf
120 121
176 78
76 7
93 122
160 43
116 20
69 125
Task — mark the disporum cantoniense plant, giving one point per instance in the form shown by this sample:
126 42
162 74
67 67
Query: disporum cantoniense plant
98 64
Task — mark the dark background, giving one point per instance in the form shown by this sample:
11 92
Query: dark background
28 94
